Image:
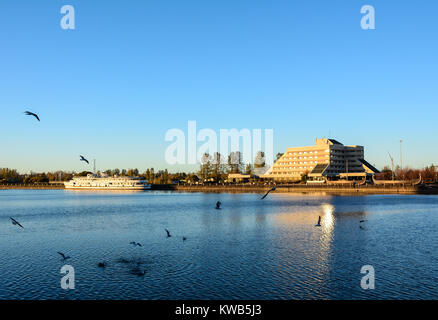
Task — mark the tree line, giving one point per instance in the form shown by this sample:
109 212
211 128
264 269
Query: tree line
212 168
428 174
12 176
215 168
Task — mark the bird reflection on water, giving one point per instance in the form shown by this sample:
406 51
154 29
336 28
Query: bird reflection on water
253 249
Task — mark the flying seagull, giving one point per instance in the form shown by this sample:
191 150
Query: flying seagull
168 233
83 159
28 113
15 222
64 257
136 243
319 222
273 189
218 205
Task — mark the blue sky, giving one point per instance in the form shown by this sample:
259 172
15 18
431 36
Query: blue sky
131 70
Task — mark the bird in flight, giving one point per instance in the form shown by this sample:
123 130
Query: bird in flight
319 222
218 205
168 233
15 222
64 257
28 113
266 194
83 159
136 244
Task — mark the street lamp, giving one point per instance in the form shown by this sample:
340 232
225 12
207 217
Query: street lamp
401 159
392 162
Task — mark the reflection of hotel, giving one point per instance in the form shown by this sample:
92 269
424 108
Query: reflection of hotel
327 158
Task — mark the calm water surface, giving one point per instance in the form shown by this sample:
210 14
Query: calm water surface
251 249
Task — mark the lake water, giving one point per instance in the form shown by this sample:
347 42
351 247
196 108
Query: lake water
250 249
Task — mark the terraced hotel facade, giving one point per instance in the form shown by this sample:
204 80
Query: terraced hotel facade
328 158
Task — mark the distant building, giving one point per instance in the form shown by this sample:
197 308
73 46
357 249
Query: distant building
327 158
238 178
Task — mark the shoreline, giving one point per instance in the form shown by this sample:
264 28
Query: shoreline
303 189
31 187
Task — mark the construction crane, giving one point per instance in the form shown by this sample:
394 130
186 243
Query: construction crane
392 162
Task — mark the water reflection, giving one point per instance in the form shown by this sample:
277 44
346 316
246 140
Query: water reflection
250 249
327 219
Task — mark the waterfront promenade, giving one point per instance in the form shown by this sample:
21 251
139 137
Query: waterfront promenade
302 188
292 188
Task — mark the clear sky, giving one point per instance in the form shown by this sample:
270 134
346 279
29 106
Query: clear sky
131 70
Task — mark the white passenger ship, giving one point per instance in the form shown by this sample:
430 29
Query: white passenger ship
104 182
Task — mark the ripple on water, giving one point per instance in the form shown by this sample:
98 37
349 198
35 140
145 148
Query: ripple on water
251 249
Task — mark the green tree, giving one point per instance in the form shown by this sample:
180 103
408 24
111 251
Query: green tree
217 167
10 175
260 160
205 170
235 163
147 174
248 169
83 173
132 173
